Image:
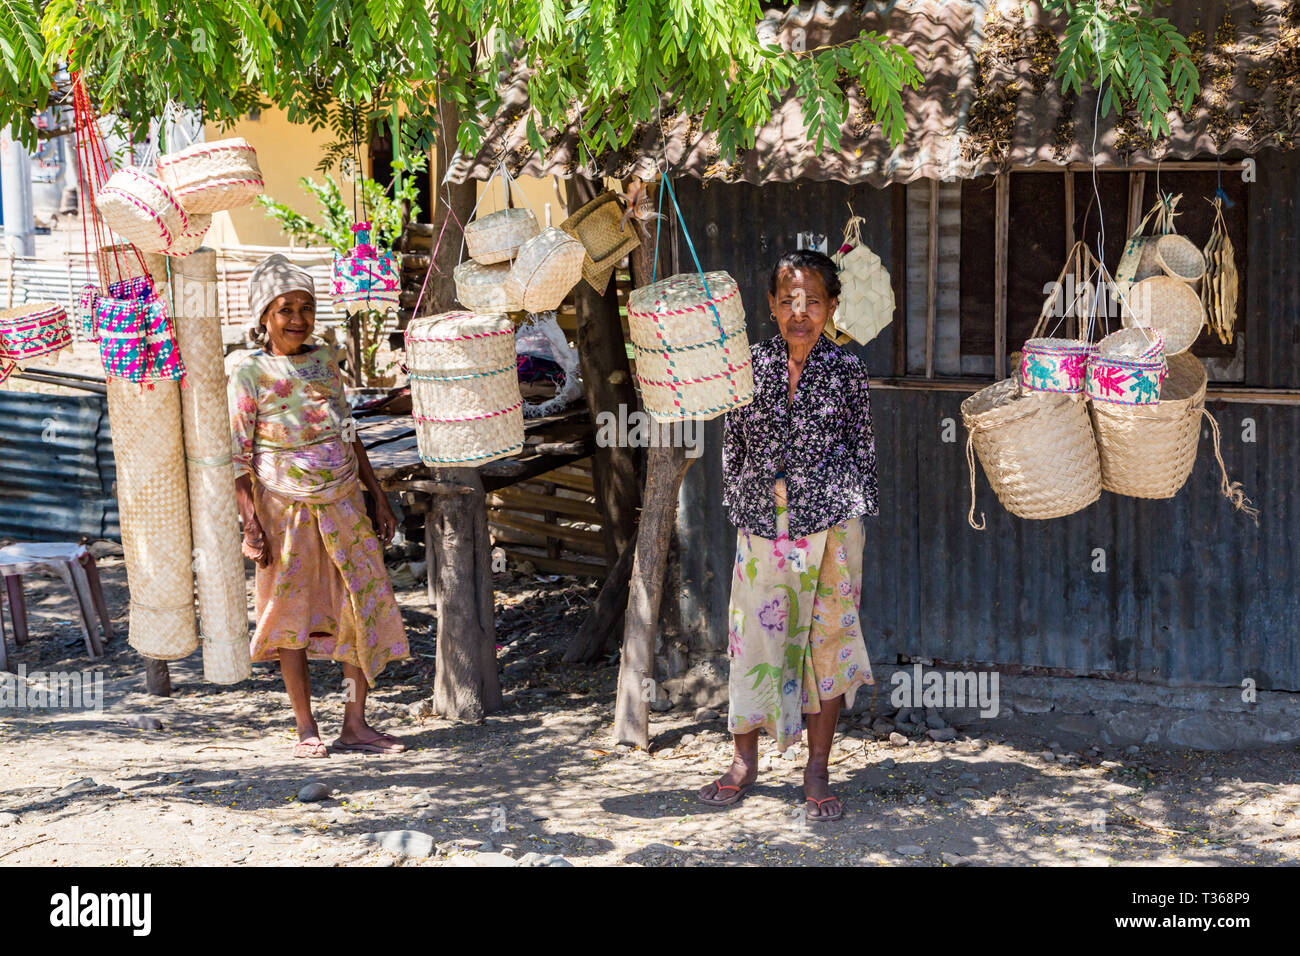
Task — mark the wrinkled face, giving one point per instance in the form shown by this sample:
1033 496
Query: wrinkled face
801 306
289 320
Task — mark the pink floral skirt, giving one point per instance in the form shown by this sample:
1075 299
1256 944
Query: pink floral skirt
794 637
326 588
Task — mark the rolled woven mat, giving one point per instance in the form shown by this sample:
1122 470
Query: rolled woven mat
154 513
214 520
120 261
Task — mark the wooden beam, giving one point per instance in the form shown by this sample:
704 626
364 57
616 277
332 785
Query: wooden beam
931 277
558 565
898 276
563 532
1136 196
1000 237
1180 166
514 498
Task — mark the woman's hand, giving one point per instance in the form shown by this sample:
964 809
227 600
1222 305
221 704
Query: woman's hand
254 546
385 520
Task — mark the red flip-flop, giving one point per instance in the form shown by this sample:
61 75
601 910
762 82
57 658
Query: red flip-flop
822 818
729 801
312 747
371 746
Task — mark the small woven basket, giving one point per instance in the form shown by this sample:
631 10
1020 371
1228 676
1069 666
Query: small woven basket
546 269
189 241
464 388
497 236
481 288
606 237
29 331
1054 365
693 357
1168 305
1148 451
1179 257
141 209
210 177
1036 448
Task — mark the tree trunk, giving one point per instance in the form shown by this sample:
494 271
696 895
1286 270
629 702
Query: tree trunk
636 675
606 616
440 295
157 677
466 683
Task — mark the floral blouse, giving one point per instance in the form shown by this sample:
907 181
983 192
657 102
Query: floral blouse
289 422
822 443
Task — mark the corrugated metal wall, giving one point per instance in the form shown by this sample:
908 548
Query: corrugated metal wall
1191 593
56 467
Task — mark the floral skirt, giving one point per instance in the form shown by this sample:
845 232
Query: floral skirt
794 635
326 589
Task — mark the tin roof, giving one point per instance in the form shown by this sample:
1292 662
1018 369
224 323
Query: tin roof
989 100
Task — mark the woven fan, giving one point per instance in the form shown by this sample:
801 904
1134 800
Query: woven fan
1219 290
866 303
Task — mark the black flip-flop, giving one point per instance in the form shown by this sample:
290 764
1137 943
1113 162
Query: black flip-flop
822 818
730 801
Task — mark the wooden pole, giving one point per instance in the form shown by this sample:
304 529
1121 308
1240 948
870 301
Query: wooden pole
1000 232
157 678
931 278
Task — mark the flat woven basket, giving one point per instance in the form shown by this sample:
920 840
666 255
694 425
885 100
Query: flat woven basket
546 269
210 177
153 509
29 331
1147 451
192 237
1168 305
497 236
1179 257
481 288
1036 448
464 388
607 239
205 429
141 209
692 353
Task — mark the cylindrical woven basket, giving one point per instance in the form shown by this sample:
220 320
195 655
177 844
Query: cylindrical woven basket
1127 367
1147 451
205 428
464 388
497 236
693 356
141 209
153 510
1168 305
1054 365
481 288
210 177
1036 448
29 331
546 269
192 237
1179 257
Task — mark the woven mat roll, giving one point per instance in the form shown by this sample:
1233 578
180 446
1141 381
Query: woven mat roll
214 520
154 513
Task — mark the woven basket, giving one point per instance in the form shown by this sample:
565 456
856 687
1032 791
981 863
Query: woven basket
210 177
607 239
481 288
205 428
1148 451
546 269
1054 365
141 209
29 331
1168 305
1178 257
191 239
153 509
866 305
693 356
1036 448
464 388
497 236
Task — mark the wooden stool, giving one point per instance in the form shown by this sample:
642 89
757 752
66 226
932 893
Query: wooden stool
76 566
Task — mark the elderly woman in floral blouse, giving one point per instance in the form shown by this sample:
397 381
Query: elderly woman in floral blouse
799 471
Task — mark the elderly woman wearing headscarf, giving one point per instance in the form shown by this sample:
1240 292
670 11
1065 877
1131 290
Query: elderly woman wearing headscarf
322 588
799 472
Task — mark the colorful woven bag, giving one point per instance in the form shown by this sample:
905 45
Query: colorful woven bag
136 338
364 278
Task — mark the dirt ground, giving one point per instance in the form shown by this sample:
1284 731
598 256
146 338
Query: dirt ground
540 784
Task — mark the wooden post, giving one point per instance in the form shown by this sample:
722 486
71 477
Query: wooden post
607 613
1137 183
1000 232
157 679
931 278
1071 328
898 276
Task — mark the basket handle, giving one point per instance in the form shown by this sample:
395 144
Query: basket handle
1080 262
970 463
1232 490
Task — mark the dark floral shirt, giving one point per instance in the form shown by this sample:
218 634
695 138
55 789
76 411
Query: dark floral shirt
822 441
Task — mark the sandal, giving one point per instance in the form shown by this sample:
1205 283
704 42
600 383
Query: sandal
822 817
371 746
311 747
719 786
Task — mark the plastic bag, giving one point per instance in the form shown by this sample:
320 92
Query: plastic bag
541 337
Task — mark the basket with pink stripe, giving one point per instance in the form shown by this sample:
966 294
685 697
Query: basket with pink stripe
1054 365
141 209
1128 368
210 177
29 331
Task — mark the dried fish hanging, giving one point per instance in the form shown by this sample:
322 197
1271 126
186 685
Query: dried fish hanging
1219 290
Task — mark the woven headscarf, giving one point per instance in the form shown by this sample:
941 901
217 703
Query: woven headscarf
274 276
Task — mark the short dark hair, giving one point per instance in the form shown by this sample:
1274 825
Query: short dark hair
807 259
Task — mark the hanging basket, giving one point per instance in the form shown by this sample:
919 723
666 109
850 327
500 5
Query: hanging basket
866 302
210 177
189 241
481 288
1127 368
1179 258
546 269
1051 364
497 236
30 331
1036 449
1168 305
1054 365
366 279
141 209
692 351
464 390
606 236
